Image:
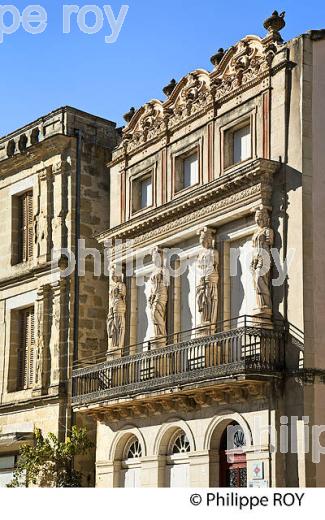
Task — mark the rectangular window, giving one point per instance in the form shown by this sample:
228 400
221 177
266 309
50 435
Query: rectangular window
142 193
7 467
238 144
26 349
191 170
242 144
186 171
25 227
146 193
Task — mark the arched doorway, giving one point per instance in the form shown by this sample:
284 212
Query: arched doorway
131 464
233 464
178 467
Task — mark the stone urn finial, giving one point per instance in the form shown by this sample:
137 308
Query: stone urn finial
128 116
217 57
169 89
275 23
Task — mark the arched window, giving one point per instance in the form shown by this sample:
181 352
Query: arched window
134 450
181 444
177 460
131 464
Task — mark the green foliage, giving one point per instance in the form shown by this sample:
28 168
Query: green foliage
49 463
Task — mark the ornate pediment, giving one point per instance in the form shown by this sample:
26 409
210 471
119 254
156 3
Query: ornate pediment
189 97
242 64
145 124
192 94
236 70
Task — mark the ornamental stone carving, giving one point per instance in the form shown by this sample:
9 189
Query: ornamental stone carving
117 311
208 276
242 64
158 298
41 339
183 221
39 368
190 96
262 242
238 69
274 24
144 125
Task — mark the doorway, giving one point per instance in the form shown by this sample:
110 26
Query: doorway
233 463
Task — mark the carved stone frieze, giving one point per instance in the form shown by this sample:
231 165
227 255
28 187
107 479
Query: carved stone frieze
191 218
220 395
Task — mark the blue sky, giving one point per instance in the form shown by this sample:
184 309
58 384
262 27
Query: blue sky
160 39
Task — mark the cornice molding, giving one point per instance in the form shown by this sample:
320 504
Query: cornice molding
243 185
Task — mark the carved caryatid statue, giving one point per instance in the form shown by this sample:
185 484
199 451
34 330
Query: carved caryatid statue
261 263
207 287
117 310
158 298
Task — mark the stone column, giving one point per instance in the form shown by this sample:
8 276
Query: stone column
41 341
58 357
108 474
44 216
153 472
60 204
4 350
199 469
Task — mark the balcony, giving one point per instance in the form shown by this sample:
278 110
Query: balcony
243 349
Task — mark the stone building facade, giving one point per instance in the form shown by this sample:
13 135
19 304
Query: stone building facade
40 167
216 183
198 358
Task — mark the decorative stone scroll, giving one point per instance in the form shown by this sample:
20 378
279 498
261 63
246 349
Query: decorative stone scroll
262 242
117 311
207 287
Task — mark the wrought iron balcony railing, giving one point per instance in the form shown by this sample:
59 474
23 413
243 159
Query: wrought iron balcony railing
247 348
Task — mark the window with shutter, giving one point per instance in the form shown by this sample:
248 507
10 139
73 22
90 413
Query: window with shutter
26 233
26 353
